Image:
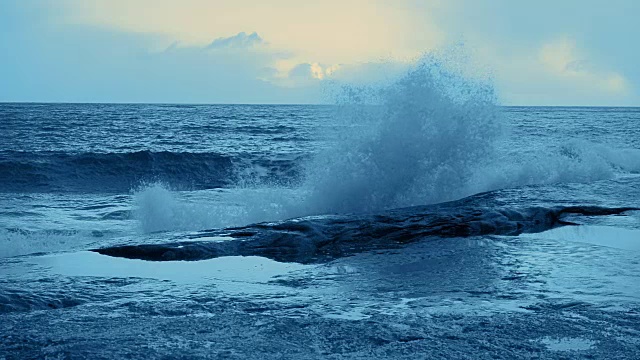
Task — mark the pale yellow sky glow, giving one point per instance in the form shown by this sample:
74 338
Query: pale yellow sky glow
542 52
562 57
329 32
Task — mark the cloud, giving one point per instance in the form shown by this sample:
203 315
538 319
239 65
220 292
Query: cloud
91 64
301 71
148 50
241 40
315 71
330 31
576 54
562 58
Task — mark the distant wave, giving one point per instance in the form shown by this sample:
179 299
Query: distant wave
120 172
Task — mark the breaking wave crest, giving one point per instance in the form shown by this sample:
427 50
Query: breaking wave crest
431 136
437 136
421 143
118 172
572 162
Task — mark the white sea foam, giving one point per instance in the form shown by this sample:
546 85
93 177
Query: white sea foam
431 136
438 136
423 142
158 208
15 243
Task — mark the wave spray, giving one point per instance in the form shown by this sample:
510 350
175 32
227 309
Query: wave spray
433 135
418 141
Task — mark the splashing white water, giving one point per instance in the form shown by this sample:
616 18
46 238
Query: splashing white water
426 137
431 136
158 208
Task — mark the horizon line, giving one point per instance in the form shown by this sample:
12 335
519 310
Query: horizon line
270 104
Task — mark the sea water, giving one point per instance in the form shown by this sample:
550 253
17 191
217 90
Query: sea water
419 220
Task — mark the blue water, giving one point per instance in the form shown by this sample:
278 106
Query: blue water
423 225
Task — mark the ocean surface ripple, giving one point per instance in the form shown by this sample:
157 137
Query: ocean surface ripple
418 217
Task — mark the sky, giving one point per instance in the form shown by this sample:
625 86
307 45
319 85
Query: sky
544 52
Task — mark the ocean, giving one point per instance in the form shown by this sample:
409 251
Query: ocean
425 223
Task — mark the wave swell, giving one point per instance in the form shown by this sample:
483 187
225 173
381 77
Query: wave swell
118 172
